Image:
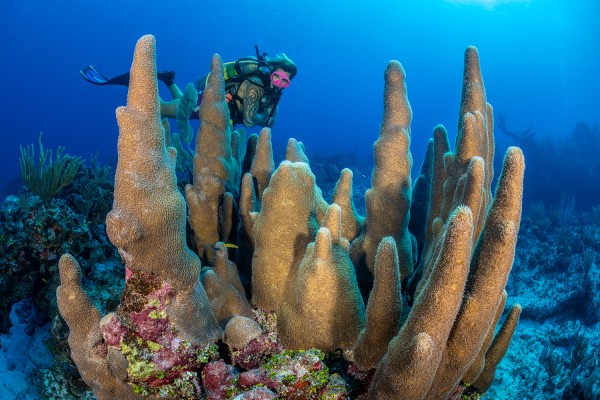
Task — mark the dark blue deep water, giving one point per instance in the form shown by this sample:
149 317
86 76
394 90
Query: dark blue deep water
540 61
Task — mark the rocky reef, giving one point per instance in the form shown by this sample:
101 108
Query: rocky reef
556 275
32 238
285 294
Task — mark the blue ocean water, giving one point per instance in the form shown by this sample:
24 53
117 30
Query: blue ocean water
540 61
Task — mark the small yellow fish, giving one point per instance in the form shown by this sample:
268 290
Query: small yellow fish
230 245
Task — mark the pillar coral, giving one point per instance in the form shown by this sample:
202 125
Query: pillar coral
479 363
497 350
384 308
324 294
285 225
414 354
216 167
147 225
342 195
388 200
489 256
301 259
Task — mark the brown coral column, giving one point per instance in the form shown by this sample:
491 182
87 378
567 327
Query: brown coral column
325 295
383 309
406 371
490 266
388 201
147 222
498 349
85 336
342 196
287 222
216 170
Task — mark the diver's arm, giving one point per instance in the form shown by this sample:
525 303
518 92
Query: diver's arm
251 107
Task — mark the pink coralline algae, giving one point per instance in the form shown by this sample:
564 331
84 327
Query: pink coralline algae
219 380
253 377
150 326
113 331
261 348
141 330
292 375
258 393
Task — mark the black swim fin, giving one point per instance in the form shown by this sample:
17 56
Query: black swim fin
92 75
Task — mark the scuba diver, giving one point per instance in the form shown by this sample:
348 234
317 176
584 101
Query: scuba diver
253 87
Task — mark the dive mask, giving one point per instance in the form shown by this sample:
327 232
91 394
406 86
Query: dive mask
280 79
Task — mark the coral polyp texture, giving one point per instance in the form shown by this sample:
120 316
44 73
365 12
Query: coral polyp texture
402 303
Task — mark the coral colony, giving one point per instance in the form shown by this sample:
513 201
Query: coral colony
313 301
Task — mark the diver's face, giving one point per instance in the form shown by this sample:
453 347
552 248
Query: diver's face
280 79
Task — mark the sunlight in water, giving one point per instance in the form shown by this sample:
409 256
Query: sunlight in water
487 4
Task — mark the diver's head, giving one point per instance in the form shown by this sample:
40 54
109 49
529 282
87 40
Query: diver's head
283 62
